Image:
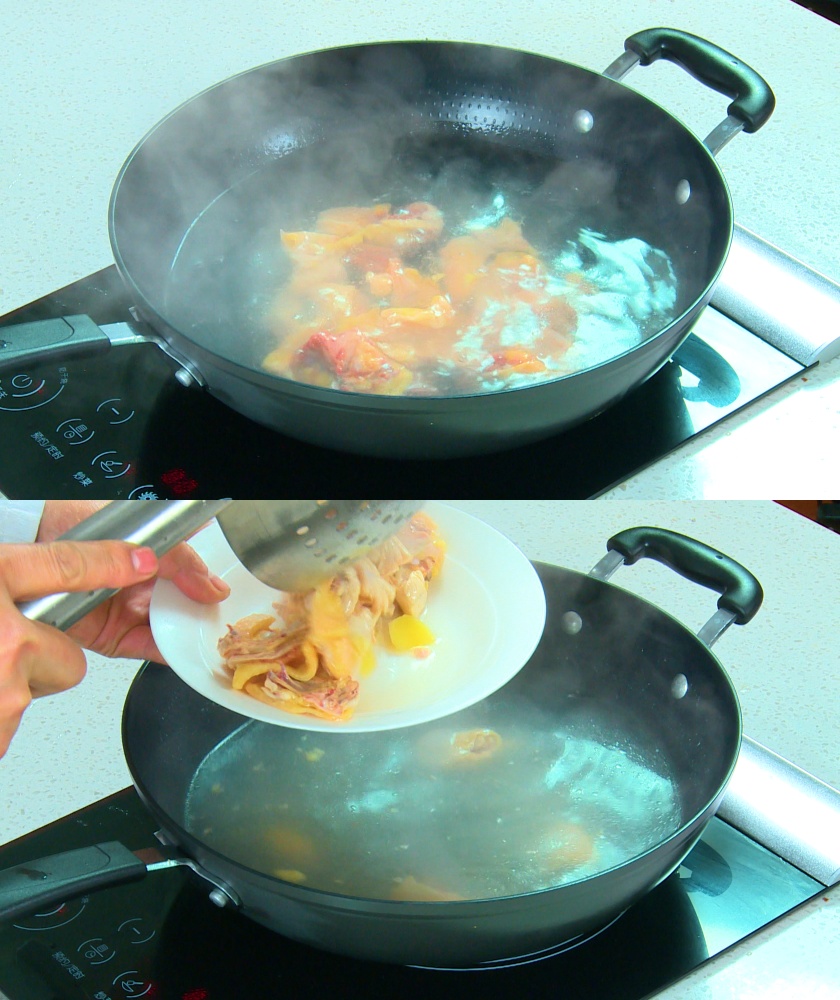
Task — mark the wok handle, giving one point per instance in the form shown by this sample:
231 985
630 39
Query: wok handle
713 66
48 881
741 593
68 336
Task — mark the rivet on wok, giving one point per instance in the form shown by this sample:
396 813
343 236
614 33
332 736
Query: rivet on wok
571 623
583 120
679 686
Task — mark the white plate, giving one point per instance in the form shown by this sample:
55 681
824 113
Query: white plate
486 610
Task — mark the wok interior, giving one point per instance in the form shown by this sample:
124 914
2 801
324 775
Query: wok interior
598 699
504 799
197 212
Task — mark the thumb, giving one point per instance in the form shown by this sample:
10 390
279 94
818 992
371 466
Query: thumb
31 571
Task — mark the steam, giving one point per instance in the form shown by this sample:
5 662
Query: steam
198 212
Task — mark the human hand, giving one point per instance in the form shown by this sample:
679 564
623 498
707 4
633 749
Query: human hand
120 625
36 659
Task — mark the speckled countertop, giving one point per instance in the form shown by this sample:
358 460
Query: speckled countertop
83 82
785 665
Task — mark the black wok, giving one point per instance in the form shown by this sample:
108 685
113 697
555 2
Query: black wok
607 659
197 208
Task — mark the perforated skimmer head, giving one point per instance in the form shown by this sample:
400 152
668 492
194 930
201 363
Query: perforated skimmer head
288 544
296 544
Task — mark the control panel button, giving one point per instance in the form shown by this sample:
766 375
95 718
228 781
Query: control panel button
133 984
111 465
25 391
146 492
136 930
57 916
96 951
114 411
75 431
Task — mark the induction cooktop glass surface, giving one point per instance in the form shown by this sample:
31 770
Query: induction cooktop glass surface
162 937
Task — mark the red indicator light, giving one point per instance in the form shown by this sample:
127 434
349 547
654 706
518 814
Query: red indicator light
179 482
197 994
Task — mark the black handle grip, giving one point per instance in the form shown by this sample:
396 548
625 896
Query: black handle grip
66 337
26 887
740 591
715 67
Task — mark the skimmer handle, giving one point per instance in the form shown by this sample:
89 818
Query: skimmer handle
158 524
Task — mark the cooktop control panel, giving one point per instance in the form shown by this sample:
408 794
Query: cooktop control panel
86 427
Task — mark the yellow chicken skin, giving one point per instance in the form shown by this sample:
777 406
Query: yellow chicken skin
308 658
380 301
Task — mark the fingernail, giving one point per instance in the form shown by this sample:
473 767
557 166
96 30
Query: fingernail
219 584
144 560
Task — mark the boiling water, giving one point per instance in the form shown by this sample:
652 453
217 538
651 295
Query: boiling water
470 807
230 269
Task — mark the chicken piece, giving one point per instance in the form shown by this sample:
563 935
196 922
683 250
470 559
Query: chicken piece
409 888
339 230
290 875
390 555
461 260
567 845
464 259
267 645
437 315
515 361
375 592
297 664
348 588
560 317
305 660
350 360
293 610
402 287
474 745
427 548
412 592
415 225
510 278
409 560
246 628
350 219
332 698
340 650
304 245
292 846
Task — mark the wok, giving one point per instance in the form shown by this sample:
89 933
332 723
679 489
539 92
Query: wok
197 208
196 212
608 660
